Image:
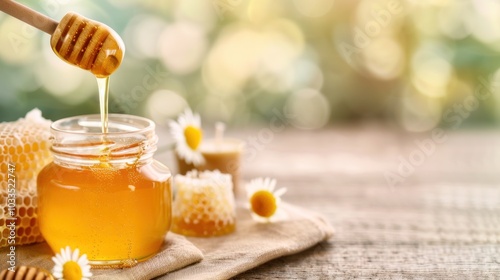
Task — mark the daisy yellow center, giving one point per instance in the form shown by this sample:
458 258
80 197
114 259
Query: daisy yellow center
72 271
193 136
263 203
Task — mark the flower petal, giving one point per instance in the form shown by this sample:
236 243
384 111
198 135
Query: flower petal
64 254
56 261
75 254
280 192
83 259
272 184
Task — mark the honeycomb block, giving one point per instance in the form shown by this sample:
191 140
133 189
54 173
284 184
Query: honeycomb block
204 204
24 151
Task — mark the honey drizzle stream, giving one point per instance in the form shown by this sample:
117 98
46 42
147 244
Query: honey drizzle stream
103 86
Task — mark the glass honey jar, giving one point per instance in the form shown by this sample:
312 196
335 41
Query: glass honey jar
104 193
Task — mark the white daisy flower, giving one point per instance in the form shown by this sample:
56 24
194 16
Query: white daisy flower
188 135
70 266
263 200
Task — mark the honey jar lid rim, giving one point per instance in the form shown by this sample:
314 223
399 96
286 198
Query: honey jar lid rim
119 124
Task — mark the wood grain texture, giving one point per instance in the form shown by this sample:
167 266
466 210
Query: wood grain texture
441 222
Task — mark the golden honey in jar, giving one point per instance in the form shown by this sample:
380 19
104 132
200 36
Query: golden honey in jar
104 193
204 204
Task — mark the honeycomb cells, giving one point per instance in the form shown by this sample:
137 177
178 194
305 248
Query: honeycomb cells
203 208
24 151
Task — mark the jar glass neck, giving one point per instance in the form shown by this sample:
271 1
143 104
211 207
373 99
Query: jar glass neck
79 141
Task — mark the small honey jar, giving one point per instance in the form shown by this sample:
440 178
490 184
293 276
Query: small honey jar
204 204
104 193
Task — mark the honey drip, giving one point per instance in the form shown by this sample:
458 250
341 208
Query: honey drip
103 86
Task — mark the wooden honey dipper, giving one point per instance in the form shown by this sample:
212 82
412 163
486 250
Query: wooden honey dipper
77 40
26 273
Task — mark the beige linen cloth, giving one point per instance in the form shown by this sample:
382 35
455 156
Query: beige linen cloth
222 257
175 253
254 244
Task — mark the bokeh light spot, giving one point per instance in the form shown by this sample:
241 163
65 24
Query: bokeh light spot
182 47
384 58
202 13
308 109
452 20
19 41
67 82
484 21
418 113
313 8
307 74
233 59
165 104
140 43
431 76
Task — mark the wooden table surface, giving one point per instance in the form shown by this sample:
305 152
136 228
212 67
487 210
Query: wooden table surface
441 221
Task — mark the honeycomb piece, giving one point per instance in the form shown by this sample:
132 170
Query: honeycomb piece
203 204
24 151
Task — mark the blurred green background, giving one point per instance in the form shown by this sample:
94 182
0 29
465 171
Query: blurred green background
414 64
